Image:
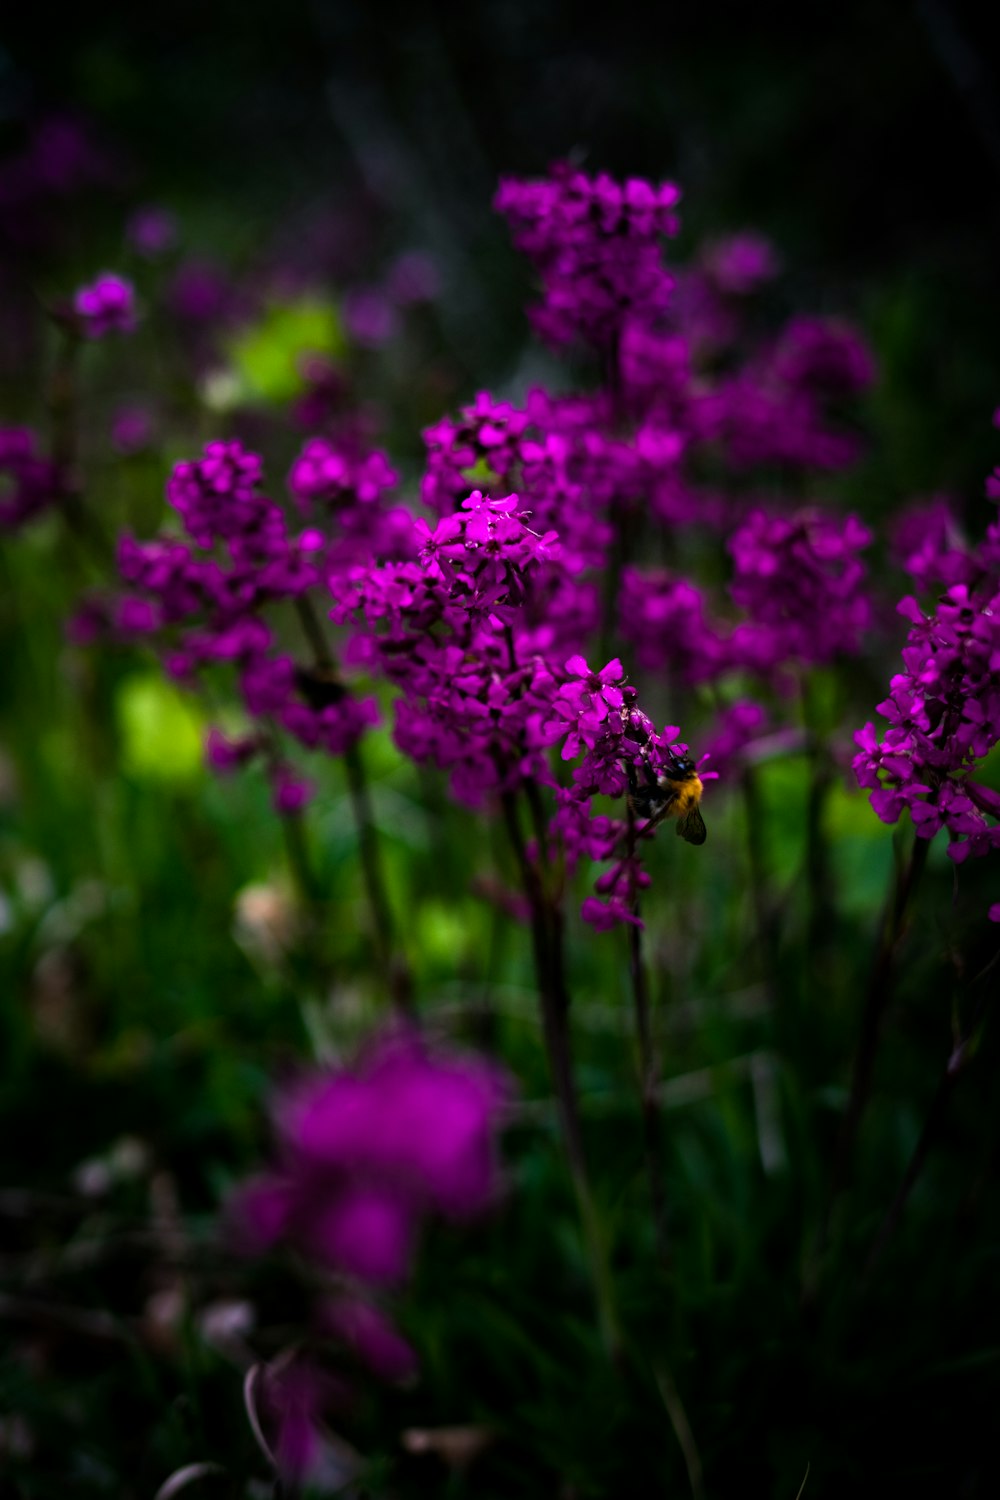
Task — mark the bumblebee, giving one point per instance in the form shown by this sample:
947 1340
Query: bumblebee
673 792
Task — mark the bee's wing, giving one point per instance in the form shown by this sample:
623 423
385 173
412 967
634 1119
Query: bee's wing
692 827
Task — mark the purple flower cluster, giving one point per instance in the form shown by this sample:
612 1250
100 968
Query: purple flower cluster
597 717
665 617
774 411
29 482
205 599
106 306
927 543
441 629
596 246
801 580
798 578
328 474
366 1156
943 709
944 716
466 635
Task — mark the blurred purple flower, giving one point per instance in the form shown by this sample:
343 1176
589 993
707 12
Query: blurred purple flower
132 428
370 317
29 482
152 231
106 306
596 245
367 1153
802 582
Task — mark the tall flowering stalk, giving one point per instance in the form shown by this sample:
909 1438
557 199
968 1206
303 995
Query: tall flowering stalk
943 712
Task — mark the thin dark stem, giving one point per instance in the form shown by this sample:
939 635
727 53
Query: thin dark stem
877 997
648 1070
313 631
963 1051
928 1135
763 899
399 977
64 420
391 961
64 402
547 946
297 850
821 904
296 842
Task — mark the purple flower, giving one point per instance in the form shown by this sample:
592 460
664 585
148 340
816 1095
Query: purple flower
29 483
413 277
366 1154
739 725
132 428
370 317
665 619
152 231
371 1335
290 791
741 263
927 542
225 755
944 717
106 306
943 709
596 245
339 476
802 582
199 293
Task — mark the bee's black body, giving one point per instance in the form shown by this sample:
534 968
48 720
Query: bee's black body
672 791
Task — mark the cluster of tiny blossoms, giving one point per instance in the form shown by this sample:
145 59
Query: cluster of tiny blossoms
106 306
799 582
481 692
943 709
204 599
596 245
366 1155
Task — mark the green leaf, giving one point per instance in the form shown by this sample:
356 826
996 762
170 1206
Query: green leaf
266 356
162 733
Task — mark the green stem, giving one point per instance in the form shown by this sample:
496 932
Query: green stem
768 936
821 904
648 1070
547 946
396 971
892 928
391 960
64 420
966 1044
932 1126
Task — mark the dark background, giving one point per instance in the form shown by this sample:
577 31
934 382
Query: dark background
867 144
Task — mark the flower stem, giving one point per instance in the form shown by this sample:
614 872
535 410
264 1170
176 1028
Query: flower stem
393 964
763 899
64 420
547 945
648 1072
397 971
963 1051
932 1125
879 992
821 905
